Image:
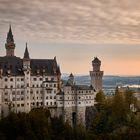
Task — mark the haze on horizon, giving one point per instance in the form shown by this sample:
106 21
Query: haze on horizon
75 31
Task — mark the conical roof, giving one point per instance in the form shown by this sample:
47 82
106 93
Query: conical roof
26 53
96 60
10 35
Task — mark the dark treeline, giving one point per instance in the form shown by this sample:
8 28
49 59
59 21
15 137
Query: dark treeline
38 125
117 118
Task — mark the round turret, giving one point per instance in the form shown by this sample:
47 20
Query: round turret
96 63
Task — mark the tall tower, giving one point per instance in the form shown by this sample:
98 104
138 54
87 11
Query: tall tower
27 73
10 45
96 75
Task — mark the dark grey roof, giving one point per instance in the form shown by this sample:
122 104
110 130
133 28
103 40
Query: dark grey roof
48 66
12 63
10 35
96 60
82 87
71 75
26 53
15 65
60 93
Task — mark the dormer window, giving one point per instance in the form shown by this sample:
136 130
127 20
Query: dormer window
8 71
37 71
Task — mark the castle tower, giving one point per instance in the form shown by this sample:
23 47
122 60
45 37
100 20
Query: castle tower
96 75
10 45
71 79
27 73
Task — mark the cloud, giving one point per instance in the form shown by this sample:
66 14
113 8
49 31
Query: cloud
100 21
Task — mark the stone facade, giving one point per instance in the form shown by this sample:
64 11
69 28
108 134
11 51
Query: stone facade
96 75
74 99
27 83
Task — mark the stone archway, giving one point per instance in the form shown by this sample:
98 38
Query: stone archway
74 118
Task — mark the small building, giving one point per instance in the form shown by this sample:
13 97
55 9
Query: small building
74 99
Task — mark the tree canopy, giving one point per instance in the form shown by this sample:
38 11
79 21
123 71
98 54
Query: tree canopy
114 118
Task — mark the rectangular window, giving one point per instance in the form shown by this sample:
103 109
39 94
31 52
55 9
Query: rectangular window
5 99
11 79
34 79
6 79
40 79
22 92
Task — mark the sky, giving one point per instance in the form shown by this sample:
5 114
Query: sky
76 31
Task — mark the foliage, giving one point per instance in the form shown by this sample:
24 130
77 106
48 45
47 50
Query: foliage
38 125
116 119
113 119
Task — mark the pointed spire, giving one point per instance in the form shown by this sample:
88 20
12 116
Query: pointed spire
71 75
10 45
10 35
26 53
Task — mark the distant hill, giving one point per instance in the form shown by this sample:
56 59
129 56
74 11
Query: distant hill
108 81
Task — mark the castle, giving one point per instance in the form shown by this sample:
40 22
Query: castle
27 83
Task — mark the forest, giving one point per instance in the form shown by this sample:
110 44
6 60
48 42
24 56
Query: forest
116 118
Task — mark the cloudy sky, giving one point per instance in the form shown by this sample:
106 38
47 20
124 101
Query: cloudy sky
75 31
